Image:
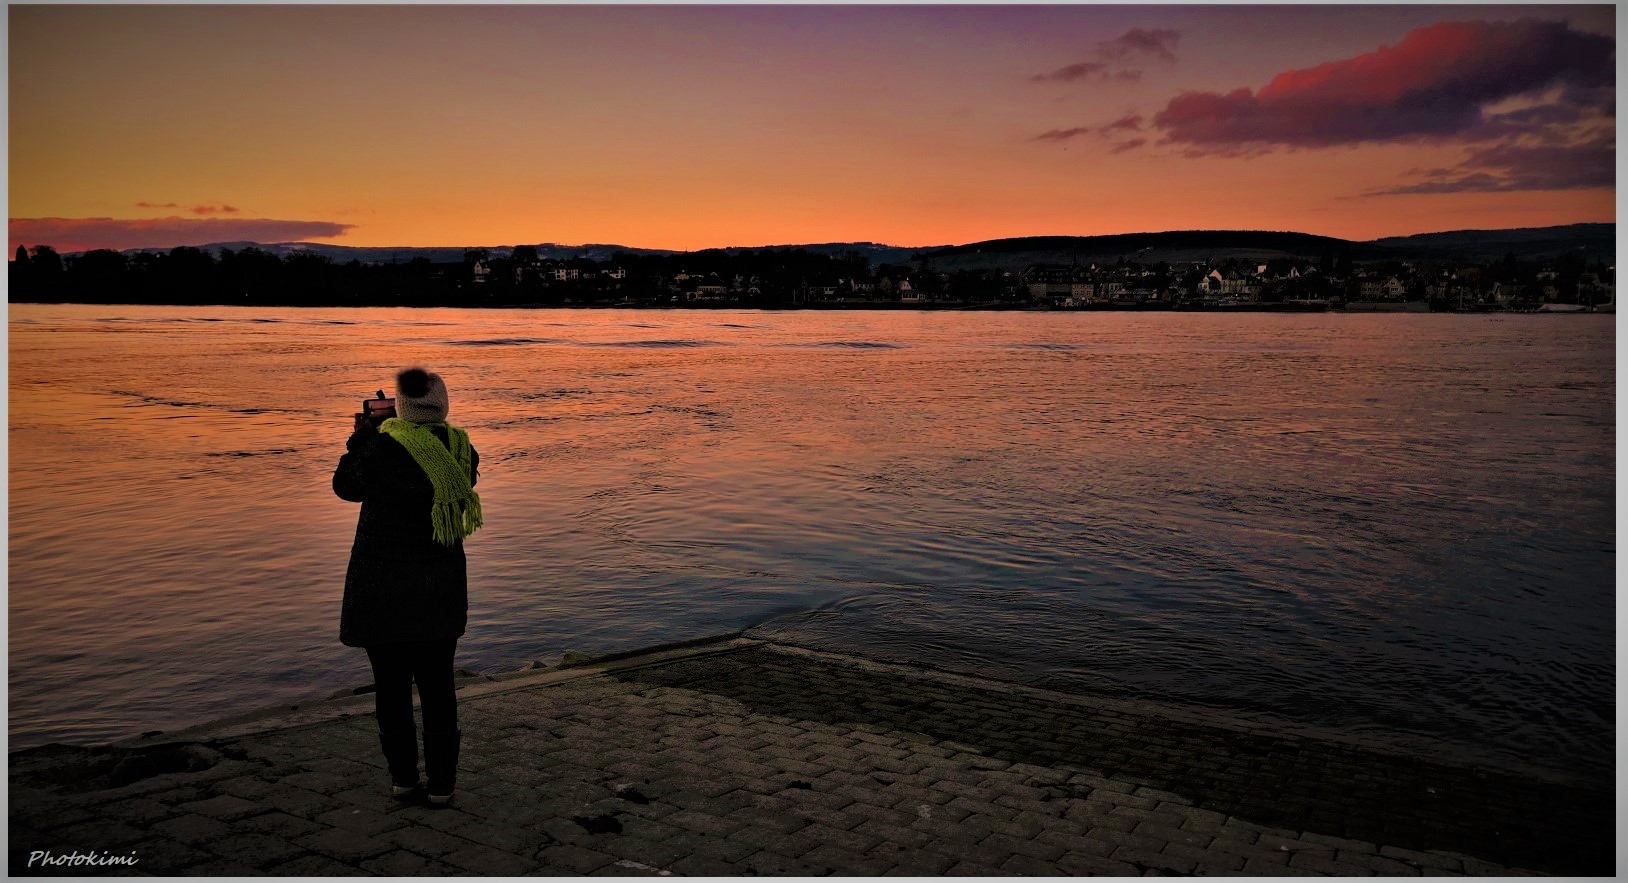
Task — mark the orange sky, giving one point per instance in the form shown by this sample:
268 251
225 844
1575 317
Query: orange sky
676 127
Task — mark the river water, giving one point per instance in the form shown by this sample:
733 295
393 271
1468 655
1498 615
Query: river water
1398 527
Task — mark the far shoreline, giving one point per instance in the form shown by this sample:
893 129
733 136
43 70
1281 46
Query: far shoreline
1385 308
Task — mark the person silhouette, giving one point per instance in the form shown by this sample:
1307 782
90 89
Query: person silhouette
406 598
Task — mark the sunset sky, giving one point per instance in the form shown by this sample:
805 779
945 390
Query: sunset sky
686 127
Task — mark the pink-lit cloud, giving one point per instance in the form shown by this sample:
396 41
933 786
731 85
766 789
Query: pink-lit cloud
1132 144
83 234
1437 83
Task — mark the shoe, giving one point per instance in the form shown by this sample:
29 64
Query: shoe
441 764
406 792
401 756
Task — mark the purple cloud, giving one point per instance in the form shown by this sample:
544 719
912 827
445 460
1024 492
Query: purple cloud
83 234
1064 134
1508 167
1133 45
1159 43
1084 70
1127 123
1128 145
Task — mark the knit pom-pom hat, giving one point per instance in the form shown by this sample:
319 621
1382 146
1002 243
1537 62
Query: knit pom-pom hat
421 397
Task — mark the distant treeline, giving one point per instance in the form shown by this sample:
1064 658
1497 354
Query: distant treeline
250 275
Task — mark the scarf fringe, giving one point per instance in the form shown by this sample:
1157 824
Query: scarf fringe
455 519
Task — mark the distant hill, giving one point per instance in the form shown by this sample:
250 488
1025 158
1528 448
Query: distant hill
875 252
1595 241
1175 245
1592 240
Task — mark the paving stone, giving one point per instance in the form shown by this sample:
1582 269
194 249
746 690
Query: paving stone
1147 858
316 866
487 861
321 783
769 864
1218 864
1172 835
1257 868
572 860
1323 864
277 823
634 847
257 850
725 849
974 869
703 823
1415 857
98 833
224 868
346 846
1003 843
365 821
1345 844
1077 864
177 794
845 862
141 812
162 855
225 807
299 802
911 861
1379 864
423 840
192 828
401 863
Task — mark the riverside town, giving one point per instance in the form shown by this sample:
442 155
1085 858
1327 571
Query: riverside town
1046 273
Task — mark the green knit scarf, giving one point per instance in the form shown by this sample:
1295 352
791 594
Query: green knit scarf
456 512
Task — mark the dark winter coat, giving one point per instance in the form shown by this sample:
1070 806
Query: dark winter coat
401 585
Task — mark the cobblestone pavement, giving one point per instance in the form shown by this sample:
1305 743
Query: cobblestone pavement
748 758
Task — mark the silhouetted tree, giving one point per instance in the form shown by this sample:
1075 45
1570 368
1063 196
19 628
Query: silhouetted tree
46 262
96 275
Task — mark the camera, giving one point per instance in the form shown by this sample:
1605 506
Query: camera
379 409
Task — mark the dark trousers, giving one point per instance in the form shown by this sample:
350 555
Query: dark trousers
396 667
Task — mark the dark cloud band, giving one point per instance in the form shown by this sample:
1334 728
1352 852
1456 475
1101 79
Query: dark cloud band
81 234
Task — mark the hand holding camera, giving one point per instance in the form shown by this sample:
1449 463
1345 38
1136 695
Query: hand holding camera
375 411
